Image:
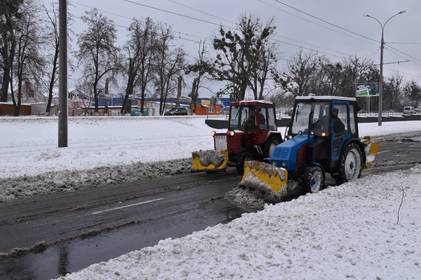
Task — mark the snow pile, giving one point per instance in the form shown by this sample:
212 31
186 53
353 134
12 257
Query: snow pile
67 181
350 231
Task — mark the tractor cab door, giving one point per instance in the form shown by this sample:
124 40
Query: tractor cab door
340 131
266 119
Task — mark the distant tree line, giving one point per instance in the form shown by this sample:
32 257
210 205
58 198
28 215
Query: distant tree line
244 60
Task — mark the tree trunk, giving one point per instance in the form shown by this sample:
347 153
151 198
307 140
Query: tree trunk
52 81
5 85
129 87
142 98
96 96
179 89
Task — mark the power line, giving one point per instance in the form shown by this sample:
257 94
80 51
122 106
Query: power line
404 43
127 27
297 16
213 23
345 29
172 12
305 48
327 22
199 11
403 53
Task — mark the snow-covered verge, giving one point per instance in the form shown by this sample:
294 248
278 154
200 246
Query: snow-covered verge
345 232
28 147
68 181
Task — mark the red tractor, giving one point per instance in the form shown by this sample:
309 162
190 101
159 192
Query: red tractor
252 135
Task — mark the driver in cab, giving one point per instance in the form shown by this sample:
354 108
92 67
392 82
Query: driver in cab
322 125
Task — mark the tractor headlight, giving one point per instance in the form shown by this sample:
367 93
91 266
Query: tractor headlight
231 133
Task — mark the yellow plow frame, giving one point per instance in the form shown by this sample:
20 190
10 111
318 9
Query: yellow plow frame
265 177
371 149
211 160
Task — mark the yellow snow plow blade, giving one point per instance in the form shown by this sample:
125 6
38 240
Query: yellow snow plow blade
211 160
265 177
371 150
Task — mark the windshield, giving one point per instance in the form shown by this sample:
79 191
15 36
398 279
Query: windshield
319 120
242 118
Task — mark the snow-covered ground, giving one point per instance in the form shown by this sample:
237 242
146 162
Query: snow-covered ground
29 146
345 232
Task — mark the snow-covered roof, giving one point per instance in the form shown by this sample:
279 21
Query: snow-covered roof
253 102
326 98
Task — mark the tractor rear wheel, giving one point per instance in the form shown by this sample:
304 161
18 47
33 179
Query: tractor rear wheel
313 179
350 164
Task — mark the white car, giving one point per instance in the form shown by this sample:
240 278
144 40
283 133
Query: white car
408 110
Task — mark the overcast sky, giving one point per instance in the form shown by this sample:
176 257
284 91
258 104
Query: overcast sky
292 27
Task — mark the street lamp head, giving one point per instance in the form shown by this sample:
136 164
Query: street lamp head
402 12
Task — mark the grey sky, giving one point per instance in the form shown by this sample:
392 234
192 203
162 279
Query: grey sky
292 27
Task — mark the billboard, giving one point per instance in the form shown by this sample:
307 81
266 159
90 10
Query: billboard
367 89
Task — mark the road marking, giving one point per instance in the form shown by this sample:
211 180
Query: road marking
126 206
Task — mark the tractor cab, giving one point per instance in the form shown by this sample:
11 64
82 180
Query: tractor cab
326 124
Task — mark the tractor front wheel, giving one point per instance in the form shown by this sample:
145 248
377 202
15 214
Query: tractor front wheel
313 179
350 165
270 146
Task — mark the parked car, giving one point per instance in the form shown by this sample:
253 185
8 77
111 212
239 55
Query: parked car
176 112
408 110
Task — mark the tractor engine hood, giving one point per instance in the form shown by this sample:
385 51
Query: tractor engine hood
285 154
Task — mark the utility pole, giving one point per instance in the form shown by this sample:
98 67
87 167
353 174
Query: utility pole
62 103
382 25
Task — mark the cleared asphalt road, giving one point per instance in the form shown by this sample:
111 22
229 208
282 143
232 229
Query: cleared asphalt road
50 235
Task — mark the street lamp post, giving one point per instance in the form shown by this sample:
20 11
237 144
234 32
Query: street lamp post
382 25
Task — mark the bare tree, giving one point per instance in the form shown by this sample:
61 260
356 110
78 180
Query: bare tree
140 49
168 65
53 37
97 50
9 16
265 65
28 62
200 68
392 92
300 71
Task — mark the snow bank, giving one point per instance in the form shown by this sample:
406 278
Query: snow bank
67 181
372 129
349 231
28 147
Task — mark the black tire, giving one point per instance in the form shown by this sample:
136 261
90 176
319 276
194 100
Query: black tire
270 144
240 164
350 164
313 179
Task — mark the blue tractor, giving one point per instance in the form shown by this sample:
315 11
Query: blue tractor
322 138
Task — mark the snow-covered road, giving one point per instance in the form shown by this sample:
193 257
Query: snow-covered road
28 145
345 232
